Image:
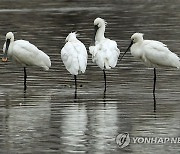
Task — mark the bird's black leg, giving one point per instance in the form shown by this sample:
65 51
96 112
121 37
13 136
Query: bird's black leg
25 76
104 80
75 92
154 87
75 79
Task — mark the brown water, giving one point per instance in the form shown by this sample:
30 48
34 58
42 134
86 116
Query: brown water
47 118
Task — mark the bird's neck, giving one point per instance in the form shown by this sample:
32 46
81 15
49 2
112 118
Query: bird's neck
100 34
136 50
140 41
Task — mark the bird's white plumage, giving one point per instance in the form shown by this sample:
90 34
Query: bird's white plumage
153 53
105 53
26 54
74 55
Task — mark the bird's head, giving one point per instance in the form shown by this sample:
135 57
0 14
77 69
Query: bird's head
9 38
72 36
99 22
136 37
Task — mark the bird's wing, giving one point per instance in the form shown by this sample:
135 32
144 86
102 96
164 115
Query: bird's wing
69 58
155 44
97 55
112 46
105 53
111 52
26 53
93 50
158 54
80 48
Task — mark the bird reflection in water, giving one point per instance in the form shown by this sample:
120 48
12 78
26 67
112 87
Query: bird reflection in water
75 95
104 98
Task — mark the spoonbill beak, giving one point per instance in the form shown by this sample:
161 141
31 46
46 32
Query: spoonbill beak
95 30
4 58
127 50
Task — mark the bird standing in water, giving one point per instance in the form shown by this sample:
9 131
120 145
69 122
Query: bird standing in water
104 52
74 56
153 53
24 54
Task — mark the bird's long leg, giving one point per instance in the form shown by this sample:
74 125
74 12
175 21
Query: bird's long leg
154 87
75 92
75 79
104 80
25 76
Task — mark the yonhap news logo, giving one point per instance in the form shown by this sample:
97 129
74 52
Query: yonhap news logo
123 140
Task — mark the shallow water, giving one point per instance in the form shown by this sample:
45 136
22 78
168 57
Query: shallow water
48 119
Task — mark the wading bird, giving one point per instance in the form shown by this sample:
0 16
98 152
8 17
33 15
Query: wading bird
105 52
74 56
153 53
25 54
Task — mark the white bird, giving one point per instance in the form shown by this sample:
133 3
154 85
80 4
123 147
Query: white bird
105 53
74 56
153 53
24 54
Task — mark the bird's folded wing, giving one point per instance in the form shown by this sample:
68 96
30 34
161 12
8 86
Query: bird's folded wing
157 53
28 54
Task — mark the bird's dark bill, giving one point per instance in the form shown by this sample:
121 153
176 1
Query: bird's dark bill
7 44
4 58
127 50
95 31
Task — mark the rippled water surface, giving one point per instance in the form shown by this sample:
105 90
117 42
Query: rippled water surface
48 119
